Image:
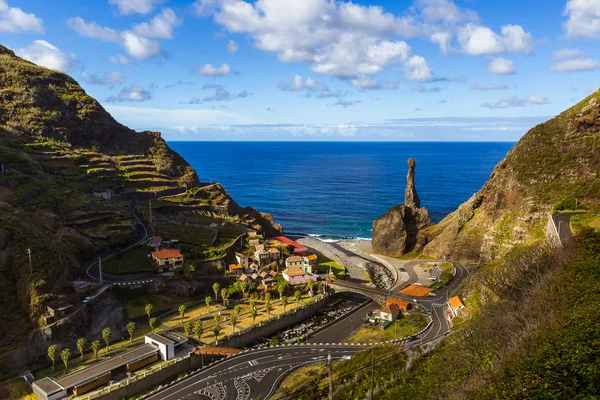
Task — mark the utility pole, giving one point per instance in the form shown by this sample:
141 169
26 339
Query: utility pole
30 265
330 377
100 268
372 378
575 204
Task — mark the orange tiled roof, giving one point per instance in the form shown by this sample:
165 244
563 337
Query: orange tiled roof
312 257
455 302
167 253
416 291
235 266
293 271
403 305
273 250
293 259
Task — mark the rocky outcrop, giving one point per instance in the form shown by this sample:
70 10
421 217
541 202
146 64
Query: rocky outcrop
411 198
396 232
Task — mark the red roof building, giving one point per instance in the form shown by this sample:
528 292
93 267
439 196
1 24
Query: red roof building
298 248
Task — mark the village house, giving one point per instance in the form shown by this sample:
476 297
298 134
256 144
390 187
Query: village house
455 305
167 260
155 242
243 259
261 255
299 249
389 313
404 306
294 261
296 276
106 194
308 264
236 269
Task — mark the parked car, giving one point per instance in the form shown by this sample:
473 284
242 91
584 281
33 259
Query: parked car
86 299
329 280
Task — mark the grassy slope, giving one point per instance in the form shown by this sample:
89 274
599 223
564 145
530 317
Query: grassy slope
554 161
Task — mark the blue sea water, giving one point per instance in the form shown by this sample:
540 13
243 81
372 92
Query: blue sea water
337 189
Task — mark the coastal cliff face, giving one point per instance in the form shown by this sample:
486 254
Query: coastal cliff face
556 161
396 232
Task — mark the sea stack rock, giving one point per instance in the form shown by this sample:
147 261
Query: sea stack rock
411 198
396 231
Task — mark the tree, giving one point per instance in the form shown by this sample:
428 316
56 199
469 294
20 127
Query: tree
233 320
268 297
310 284
148 310
81 343
253 314
274 341
285 300
281 286
269 308
244 289
188 270
181 312
208 300
252 304
216 330
216 289
65 355
187 327
216 318
298 296
131 329
106 335
237 309
198 329
224 295
320 287
96 345
152 323
52 350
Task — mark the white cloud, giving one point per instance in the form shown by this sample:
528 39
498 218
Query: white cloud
131 93
564 54
211 70
160 27
335 38
13 20
136 45
110 79
501 66
127 7
444 11
45 54
232 46
311 86
578 64
93 30
486 87
444 40
584 18
364 82
423 89
417 69
479 40
517 102
119 59
139 47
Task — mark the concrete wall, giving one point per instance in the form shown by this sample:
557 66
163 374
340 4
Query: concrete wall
275 325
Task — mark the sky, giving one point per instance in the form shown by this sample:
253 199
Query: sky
366 70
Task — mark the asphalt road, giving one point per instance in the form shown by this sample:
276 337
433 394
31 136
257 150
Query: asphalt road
563 225
246 376
344 327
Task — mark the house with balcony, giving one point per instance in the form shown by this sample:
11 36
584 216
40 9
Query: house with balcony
167 260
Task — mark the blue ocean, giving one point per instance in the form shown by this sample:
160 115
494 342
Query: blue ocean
335 190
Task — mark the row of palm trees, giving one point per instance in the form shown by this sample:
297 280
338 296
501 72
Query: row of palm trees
82 343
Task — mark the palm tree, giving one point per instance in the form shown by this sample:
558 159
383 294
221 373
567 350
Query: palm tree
237 309
198 329
224 295
310 284
131 329
152 323
268 297
52 350
148 310
216 330
253 314
216 288
187 327
298 296
81 343
281 286
208 300
65 355
268 308
285 300
106 335
252 304
181 312
243 288
233 321
96 345
216 318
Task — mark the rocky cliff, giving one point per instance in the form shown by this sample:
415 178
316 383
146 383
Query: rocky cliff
396 232
556 162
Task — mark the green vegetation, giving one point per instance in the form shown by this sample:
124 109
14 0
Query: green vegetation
324 264
579 222
133 260
445 277
402 327
414 255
